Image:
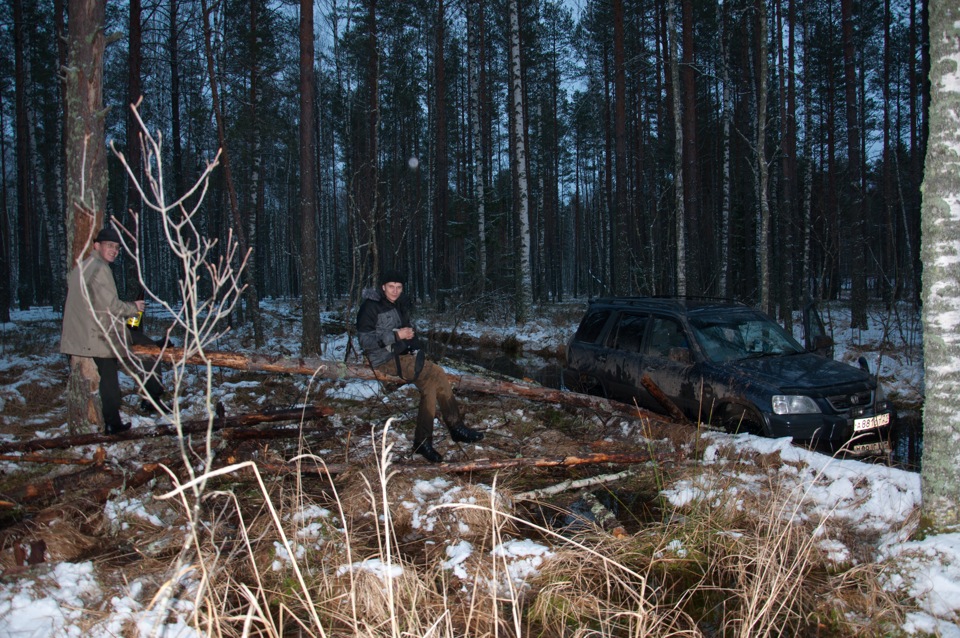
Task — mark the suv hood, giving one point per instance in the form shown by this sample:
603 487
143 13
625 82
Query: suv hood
804 372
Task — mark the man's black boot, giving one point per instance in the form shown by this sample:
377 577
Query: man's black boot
462 434
425 449
118 428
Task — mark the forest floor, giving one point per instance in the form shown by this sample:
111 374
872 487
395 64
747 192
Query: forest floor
330 526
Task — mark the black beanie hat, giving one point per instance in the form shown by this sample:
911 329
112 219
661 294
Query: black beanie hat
107 233
392 275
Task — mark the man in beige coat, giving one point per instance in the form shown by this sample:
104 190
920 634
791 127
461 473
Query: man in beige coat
94 324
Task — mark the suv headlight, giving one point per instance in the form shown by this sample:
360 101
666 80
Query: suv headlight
794 404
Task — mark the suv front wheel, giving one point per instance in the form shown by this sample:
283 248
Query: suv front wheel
739 419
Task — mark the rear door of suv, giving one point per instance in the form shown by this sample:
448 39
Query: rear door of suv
623 358
668 360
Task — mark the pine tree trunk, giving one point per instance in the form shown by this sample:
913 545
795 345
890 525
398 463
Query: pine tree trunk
25 210
86 171
239 226
856 237
310 337
84 412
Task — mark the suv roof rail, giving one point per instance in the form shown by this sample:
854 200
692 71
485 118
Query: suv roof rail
637 300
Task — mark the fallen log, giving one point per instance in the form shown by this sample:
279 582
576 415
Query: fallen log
325 369
482 465
42 458
187 427
665 402
104 481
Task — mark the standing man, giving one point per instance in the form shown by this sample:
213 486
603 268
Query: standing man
391 345
94 324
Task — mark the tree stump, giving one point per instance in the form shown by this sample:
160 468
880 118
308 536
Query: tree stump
84 411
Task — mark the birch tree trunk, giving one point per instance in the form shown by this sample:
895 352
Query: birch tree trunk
763 173
727 118
133 143
940 219
621 236
524 274
473 69
681 225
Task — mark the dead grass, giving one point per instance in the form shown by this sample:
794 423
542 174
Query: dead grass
382 554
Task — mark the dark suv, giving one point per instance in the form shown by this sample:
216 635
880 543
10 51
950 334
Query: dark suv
725 364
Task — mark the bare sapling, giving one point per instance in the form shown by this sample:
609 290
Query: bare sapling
209 287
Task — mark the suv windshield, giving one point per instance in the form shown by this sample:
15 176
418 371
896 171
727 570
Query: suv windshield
742 335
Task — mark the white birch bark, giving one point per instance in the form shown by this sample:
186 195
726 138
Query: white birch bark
727 118
525 276
763 232
940 254
473 71
681 224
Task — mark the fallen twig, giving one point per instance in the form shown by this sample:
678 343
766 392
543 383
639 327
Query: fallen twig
186 427
572 484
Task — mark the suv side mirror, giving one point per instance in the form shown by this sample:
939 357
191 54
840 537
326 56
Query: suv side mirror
823 344
815 334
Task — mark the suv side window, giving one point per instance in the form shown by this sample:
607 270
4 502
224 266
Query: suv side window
627 335
591 326
664 335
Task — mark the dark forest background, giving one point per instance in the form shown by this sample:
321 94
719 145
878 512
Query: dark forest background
766 151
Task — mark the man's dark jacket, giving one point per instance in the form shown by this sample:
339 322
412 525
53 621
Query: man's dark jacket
377 323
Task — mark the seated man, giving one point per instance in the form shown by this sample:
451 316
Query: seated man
391 345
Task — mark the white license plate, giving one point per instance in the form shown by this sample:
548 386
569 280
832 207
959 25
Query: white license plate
871 422
870 448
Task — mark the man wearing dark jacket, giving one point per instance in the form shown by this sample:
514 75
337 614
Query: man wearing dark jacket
391 345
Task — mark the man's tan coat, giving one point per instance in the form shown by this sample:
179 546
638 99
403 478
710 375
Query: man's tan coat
91 296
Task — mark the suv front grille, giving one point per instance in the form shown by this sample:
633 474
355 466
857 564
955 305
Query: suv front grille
844 402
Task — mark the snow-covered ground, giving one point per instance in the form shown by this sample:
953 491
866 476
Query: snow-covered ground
873 498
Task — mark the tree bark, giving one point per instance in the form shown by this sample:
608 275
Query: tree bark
6 296
678 186
940 474
83 396
524 297
309 263
239 225
622 209
763 198
857 237
25 210
133 148
85 147
86 174
699 254
474 56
